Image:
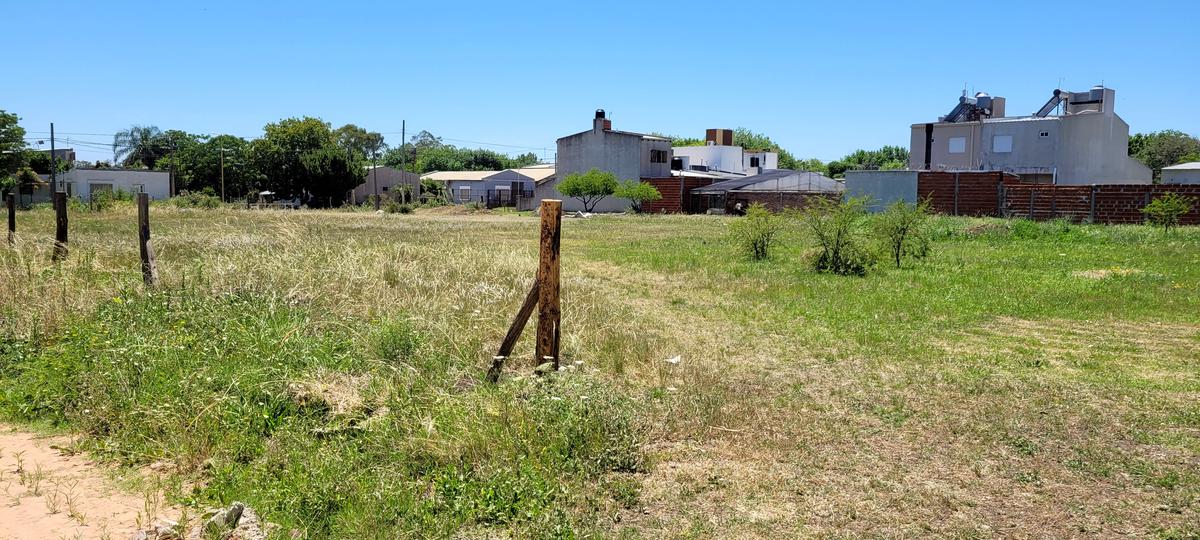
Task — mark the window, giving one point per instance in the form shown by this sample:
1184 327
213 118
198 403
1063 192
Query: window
464 193
958 145
658 156
1044 134
384 188
1002 144
754 161
139 188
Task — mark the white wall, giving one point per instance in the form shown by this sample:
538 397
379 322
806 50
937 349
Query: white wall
716 158
83 181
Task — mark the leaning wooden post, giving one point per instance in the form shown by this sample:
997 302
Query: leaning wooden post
60 226
11 201
149 268
547 278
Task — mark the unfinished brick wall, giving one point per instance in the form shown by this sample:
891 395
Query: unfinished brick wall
1111 203
671 202
972 193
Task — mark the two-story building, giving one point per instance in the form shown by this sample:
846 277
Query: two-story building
628 155
1075 138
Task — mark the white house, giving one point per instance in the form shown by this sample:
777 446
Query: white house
83 182
720 155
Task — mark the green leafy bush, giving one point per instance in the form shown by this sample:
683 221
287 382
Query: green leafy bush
838 228
1167 210
638 193
757 232
106 199
589 188
901 230
195 200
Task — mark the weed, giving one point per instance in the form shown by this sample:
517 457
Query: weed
756 233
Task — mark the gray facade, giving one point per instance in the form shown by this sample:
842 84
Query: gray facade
882 187
390 182
1087 144
1184 173
630 156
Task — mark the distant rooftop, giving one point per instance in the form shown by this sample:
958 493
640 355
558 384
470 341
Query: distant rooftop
1189 166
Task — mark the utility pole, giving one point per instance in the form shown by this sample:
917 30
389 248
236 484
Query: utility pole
375 175
53 167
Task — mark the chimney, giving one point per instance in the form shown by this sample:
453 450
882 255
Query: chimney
600 123
719 137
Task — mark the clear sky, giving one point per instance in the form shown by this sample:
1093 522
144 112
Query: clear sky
820 78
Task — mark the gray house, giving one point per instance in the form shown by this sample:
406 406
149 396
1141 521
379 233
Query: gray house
389 182
493 188
628 155
1075 138
1184 173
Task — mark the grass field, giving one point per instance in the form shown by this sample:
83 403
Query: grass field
1024 380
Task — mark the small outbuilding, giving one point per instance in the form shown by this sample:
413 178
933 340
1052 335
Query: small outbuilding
776 189
1184 173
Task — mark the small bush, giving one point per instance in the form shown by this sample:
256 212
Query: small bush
1167 210
106 199
393 206
901 229
837 227
638 193
757 232
195 200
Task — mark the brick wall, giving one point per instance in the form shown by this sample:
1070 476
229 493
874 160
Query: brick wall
963 193
1111 203
671 203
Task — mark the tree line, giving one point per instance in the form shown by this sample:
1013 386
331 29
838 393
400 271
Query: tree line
302 157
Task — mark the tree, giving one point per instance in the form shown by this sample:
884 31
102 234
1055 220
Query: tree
637 192
589 188
1163 149
363 143
900 228
812 165
1167 210
12 144
139 145
301 157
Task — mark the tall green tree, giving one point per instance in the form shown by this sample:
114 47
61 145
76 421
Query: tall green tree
363 143
139 146
301 157
12 144
1163 149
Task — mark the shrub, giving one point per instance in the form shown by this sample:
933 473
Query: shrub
589 188
392 206
837 226
638 193
757 232
195 200
103 200
901 229
1167 210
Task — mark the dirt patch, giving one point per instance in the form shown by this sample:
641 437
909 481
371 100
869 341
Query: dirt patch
1102 273
47 491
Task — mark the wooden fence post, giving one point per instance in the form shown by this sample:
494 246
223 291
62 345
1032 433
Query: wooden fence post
547 278
60 226
11 201
149 267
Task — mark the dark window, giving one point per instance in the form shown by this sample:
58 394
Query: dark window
754 161
658 156
1044 134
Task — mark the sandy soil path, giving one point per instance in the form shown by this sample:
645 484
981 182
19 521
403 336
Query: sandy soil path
45 492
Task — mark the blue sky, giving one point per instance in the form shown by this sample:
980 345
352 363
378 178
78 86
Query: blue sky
822 79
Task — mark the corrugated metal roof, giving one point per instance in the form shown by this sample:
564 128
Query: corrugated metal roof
774 180
1190 166
535 174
